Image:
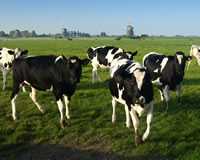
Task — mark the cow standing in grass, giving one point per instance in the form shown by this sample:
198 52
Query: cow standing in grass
167 72
56 73
195 52
7 56
131 86
103 56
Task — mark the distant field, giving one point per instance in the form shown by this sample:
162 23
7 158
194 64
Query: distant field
91 135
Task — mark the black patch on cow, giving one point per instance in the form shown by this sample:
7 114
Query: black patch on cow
0 49
11 52
42 72
173 73
91 54
114 50
127 82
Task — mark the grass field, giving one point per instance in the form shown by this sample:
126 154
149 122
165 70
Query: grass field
91 135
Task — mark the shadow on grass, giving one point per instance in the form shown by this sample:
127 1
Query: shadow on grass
61 152
192 82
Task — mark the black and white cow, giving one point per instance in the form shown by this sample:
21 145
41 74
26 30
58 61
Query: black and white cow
103 56
195 52
166 72
56 73
7 56
131 86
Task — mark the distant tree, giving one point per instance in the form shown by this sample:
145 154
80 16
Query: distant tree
15 33
25 33
64 32
33 34
129 31
2 34
103 34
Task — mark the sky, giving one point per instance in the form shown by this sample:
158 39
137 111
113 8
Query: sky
153 17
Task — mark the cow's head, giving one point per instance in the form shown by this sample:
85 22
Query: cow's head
20 52
180 61
195 52
6 57
75 67
130 54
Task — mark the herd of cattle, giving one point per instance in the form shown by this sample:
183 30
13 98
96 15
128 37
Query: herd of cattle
130 84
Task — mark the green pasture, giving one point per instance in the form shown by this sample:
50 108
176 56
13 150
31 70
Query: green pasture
90 134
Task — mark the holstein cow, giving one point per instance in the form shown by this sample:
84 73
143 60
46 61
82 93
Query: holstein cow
7 56
131 86
166 72
56 73
103 56
195 52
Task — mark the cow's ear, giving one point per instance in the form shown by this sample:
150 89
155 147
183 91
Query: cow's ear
24 52
132 54
11 52
85 61
188 58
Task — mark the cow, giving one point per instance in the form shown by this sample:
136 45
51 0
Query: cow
194 52
56 73
102 57
130 85
7 56
167 72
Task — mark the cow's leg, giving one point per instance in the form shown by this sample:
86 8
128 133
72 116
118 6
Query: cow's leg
161 95
149 119
59 99
23 89
114 103
178 92
166 95
135 121
33 97
13 97
4 78
61 107
128 121
66 100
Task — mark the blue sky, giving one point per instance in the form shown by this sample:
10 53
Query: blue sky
154 17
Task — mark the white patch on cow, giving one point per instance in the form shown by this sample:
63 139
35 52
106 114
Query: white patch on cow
163 63
6 58
179 57
116 64
58 58
60 107
73 60
148 54
66 100
50 89
13 107
139 75
157 82
109 56
120 93
138 108
33 98
148 120
156 70
133 67
27 83
94 48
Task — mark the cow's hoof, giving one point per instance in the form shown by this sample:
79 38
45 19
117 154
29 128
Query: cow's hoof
138 140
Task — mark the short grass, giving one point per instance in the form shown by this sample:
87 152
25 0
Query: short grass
91 135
